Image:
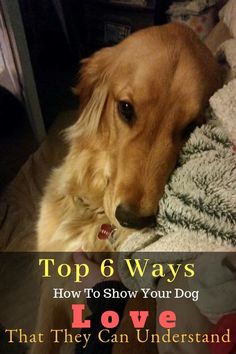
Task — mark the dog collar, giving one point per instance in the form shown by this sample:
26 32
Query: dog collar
106 231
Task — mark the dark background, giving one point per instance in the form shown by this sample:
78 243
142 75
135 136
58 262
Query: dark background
90 25
56 48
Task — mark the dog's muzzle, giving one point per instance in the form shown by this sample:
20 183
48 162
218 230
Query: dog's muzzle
127 218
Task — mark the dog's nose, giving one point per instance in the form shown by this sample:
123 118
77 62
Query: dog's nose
128 218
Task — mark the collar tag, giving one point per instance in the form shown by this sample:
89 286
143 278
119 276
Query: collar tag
106 231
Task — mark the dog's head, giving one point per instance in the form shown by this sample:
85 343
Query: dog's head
139 102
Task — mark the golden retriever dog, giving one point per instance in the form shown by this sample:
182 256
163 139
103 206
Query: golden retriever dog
139 101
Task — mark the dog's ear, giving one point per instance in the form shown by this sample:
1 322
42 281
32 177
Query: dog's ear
93 73
92 90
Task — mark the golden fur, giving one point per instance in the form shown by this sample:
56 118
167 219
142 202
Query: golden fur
168 75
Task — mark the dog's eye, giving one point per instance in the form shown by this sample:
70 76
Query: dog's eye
188 130
126 111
